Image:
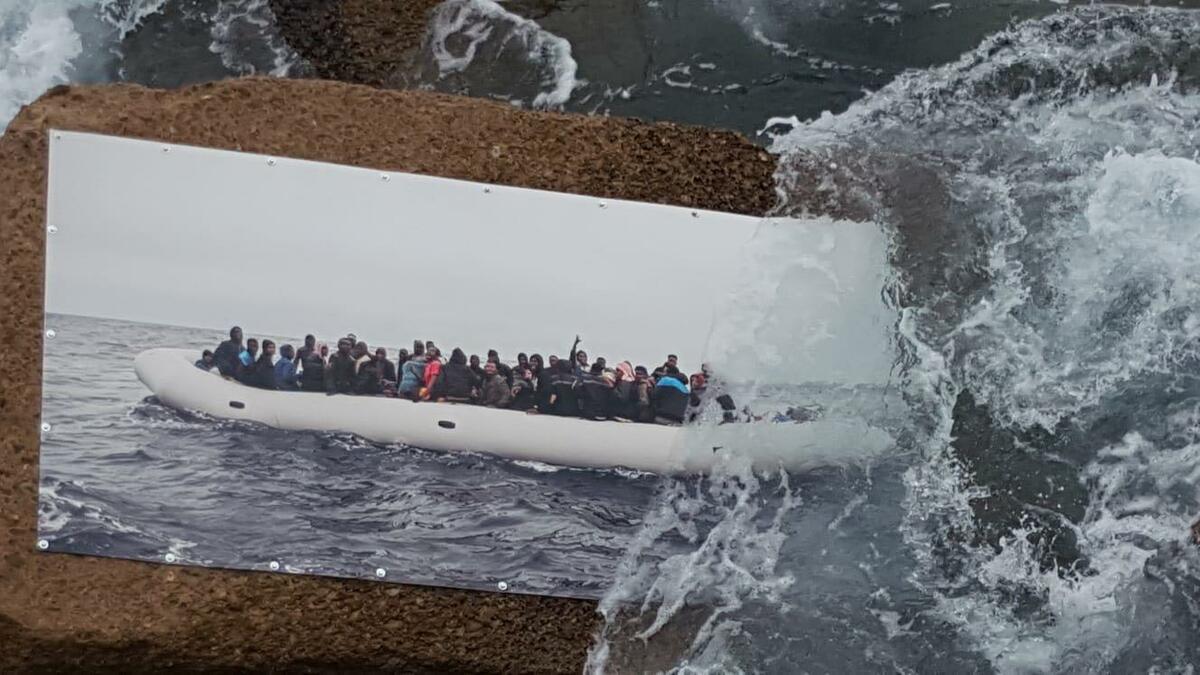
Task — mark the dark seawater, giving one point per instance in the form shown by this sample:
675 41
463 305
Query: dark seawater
127 477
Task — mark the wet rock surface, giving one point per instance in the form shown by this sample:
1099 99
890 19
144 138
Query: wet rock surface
61 611
360 41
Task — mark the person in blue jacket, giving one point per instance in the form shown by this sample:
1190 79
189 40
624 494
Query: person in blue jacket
286 378
671 397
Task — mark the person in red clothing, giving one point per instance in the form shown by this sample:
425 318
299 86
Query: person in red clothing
433 368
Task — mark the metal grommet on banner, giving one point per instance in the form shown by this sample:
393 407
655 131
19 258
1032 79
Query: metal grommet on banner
271 162
603 205
274 565
43 544
384 178
487 190
58 137
170 557
695 215
166 148
52 229
50 333
503 585
380 572
45 426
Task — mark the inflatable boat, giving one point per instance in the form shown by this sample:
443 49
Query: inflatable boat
178 383
565 441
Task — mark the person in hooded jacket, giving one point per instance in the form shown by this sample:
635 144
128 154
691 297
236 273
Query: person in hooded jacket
312 373
496 392
671 397
455 382
339 374
524 390
285 370
226 355
387 369
477 368
261 373
412 374
623 393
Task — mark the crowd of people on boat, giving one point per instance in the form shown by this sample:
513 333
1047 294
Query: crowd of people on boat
572 386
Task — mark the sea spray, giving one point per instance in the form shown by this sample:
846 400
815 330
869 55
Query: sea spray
481 48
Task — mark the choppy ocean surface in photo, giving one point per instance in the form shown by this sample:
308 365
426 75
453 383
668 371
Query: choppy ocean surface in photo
1037 165
122 475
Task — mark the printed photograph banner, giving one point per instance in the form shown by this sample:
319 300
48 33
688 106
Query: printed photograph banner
332 445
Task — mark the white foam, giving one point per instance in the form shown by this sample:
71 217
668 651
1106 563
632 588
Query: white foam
234 18
37 44
487 25
40 43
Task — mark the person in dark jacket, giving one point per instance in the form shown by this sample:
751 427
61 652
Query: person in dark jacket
524 390
401 359
207 360
522 363
387 369
339 374
579 359
226 356
563 395
495 392
501 367
672 362
643 396
368 379
310 345
312 375
623 392
246 361
477 368
455 383
285 370
671 397
262 373
595 394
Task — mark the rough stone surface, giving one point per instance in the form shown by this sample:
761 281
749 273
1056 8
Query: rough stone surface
360 41
62 611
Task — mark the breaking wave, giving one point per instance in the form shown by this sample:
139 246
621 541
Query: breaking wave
44 43
1044 194
478 47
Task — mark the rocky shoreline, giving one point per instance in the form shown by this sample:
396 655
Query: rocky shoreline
58 611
